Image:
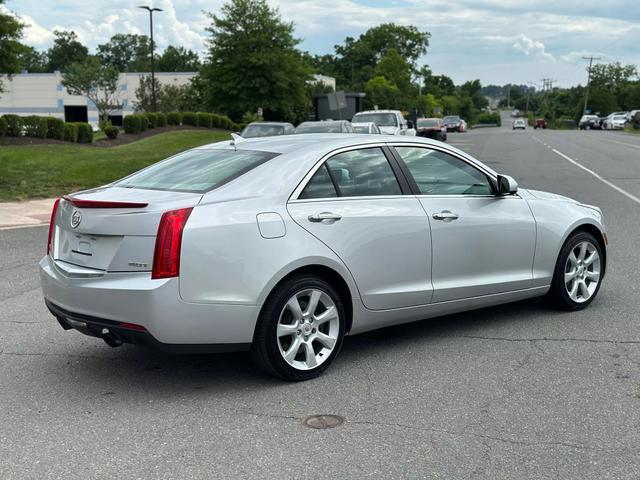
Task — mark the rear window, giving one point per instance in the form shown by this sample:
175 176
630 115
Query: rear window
428 123
196 171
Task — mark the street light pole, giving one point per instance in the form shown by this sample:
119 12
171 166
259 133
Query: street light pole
153 74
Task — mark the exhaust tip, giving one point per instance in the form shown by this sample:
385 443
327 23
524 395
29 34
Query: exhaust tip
110 339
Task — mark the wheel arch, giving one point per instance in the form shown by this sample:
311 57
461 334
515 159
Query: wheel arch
341 281
598 234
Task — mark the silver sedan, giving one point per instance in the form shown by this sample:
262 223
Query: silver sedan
284 245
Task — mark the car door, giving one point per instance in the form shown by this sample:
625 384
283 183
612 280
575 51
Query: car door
483 244
358 203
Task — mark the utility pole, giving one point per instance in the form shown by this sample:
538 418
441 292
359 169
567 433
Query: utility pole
586 93
547 85
153 74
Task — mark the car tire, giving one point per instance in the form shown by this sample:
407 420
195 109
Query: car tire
570 274
286 344
588 127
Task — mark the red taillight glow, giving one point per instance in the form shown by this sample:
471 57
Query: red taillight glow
166 257
51 224
76 202
132 326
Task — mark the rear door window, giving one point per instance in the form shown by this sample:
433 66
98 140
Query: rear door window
356 173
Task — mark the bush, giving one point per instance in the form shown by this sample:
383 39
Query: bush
145 122
153 119
204 119
216 120
70 132
131 124
189 118
174 118
85 132
3 127
55 128
161 119
111 132
14 125
226 123
489 119
35 126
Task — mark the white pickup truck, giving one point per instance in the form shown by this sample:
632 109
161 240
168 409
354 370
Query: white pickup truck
390 122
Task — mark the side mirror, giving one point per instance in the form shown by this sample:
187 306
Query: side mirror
507 185
409 124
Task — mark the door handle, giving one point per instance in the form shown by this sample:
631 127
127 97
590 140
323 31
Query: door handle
445 216
319 217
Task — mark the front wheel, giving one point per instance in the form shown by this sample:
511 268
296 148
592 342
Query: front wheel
300 329
578 273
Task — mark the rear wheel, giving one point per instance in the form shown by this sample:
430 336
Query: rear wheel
579 271
300 329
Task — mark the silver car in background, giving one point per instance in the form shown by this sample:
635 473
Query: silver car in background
283 245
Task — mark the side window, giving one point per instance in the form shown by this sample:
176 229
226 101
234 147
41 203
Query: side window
320 185
364 172
438 173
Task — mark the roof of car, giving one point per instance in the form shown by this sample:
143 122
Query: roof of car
270 123
377 111
314 141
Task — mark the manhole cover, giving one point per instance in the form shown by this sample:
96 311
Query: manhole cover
322 422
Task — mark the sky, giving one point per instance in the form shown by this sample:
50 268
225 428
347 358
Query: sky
497 41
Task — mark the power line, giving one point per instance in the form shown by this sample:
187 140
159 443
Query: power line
586 93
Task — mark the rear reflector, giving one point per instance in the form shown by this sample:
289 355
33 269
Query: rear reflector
132 326
166 257
76 202
52 223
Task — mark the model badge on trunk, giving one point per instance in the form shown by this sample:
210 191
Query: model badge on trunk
76 218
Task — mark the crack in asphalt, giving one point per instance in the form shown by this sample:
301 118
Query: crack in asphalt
524 443
542 339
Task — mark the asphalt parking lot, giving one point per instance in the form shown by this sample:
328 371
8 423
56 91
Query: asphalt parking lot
512 392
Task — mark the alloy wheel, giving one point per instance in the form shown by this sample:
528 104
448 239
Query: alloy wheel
582 272
308 329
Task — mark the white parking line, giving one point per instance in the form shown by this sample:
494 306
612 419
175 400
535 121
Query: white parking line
603 180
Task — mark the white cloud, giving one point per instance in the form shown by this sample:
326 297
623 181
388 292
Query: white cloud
530 47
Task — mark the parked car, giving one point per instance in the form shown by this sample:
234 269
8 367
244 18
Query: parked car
615 121
325 126
631 116
366 127
390 122
454 123
267 129
587 122
282 245
431 128
519 124
463 126
539 123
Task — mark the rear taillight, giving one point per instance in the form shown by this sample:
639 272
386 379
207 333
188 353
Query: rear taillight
166 257
52 223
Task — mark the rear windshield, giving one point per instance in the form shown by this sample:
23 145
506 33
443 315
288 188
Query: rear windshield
380 119
252 131
196 171
313 127
451 119
428 122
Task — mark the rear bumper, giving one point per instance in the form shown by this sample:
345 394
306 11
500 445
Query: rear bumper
170 323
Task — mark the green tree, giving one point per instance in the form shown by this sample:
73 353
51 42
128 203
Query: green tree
426 105
10 48
169 98
66 50
127 52
253 63
97 81
356 60
178 60
395 69
32 60
381 93
437 85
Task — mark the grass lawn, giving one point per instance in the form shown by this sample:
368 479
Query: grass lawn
44 171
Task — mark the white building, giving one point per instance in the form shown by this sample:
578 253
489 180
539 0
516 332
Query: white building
43 94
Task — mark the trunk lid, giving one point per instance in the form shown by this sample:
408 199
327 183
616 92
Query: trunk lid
114 237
